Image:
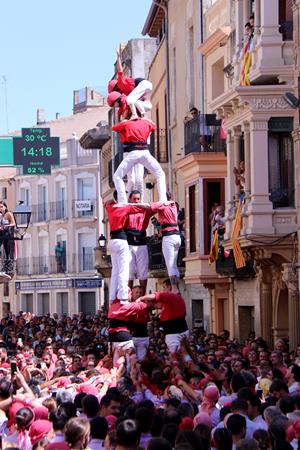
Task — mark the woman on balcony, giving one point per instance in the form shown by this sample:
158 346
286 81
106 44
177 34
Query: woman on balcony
7 226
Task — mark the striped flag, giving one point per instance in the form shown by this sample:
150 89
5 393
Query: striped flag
247 62
237 251
214 250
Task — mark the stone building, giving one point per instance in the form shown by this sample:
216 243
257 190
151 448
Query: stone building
65 211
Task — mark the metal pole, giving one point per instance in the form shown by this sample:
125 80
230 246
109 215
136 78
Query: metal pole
168 112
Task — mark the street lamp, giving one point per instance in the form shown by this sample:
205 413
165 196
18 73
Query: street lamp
102 241
22 216
291 100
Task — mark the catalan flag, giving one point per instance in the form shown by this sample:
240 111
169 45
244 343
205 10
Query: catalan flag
214 250
247 62
237 251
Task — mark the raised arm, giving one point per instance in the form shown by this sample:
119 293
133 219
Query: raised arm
119 62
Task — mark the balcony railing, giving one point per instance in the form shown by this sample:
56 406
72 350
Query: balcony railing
40 212
156 258
24 266
203 134
58 210
45 265
86 260
159 145
84 208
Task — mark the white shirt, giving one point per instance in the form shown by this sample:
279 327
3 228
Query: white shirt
96 444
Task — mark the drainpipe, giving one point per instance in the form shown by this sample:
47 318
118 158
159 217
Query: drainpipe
164 7
202 90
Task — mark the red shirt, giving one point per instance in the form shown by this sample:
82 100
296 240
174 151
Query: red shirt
166 214
127 312
138 221
173 306
125 84
134 130
117 216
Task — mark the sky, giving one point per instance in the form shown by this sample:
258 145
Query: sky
51 47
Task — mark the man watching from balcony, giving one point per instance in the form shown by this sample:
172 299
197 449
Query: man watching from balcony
171 240
172 316
59 251
135 228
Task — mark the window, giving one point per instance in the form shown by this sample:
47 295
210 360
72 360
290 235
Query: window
192 217
173 84
217 76
62 303
197 313
42 212
6 290
24 195
4 193
27 303
43 305
281 162
61 200
87 302
86 243
213 195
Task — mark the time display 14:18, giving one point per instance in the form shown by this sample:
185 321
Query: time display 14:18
42 151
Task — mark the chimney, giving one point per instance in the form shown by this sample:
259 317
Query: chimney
40 116
57 116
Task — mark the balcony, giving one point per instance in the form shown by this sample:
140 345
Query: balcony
40 212
203 134
84 208
159 145
86 260
24 266
157 263
58 210
40 265
48 265
96 137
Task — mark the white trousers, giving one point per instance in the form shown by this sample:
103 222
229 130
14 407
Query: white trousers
140 96
142 157
141 345
120 348
119 251
139 262
170 248
173 340
135 180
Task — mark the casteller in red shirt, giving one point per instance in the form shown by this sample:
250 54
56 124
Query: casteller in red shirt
173 312
137 130
118 216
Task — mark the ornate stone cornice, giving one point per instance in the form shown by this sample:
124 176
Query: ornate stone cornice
266 103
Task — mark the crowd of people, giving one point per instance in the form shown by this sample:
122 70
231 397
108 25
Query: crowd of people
60 389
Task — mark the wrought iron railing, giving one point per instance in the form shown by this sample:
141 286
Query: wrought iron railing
203 134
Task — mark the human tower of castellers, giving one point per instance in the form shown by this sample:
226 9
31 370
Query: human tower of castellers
129 218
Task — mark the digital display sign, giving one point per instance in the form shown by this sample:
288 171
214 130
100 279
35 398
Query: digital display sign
36 151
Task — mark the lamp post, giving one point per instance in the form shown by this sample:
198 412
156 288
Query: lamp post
22 215
102 242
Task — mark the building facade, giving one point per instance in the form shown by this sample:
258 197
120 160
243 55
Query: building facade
204 53
55 266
